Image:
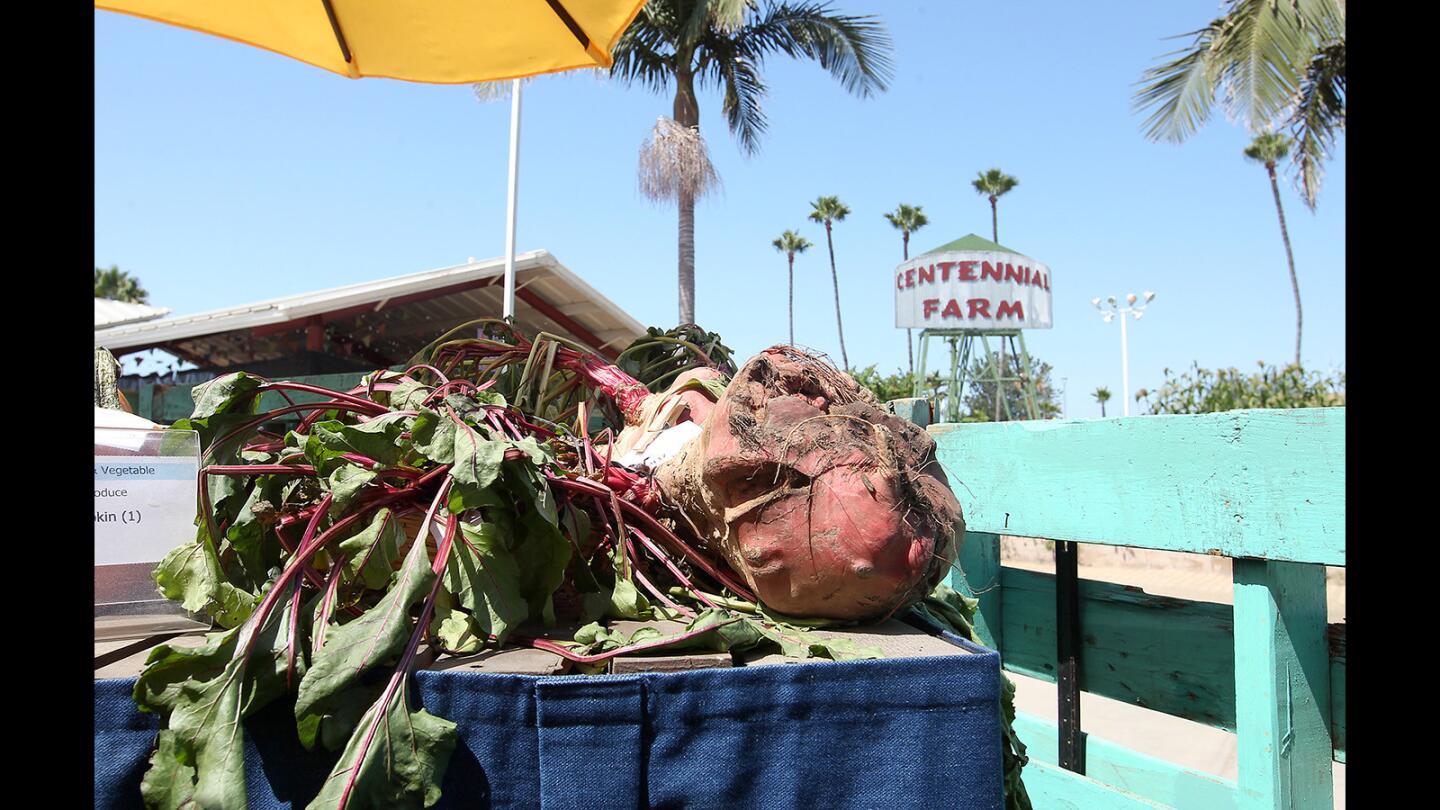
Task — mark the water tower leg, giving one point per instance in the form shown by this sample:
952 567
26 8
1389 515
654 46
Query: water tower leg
1031 403
918 384
967 351
952 400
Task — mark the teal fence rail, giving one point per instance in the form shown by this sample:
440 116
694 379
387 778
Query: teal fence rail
1265 488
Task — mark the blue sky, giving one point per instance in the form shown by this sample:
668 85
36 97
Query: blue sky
226 174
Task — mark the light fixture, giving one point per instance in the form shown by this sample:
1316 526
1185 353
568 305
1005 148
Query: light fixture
1133 308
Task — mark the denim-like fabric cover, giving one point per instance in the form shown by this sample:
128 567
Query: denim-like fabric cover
897 733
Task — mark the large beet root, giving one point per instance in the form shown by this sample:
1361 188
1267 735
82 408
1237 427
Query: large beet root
826 504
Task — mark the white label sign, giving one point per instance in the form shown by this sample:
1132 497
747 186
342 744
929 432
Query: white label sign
144 506
972 289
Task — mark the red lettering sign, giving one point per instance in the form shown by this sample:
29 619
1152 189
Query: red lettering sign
909 279
1011 274
1014 310
986 271
952 310
967 271
980 305
931 304
945 269
927 274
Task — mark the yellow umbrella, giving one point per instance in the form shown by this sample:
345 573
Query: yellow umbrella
435 41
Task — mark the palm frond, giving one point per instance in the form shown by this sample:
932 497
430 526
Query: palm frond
1182 89
674 161
724 16
1319 114
993 182
744 89
1268 148
643 54
1264 47
828 209
1252 59
907 218
854 50
791 242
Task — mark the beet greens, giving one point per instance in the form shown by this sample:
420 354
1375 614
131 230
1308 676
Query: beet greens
444 509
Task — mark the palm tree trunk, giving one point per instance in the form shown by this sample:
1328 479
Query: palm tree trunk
1102 409
835 278
1289 257
792 299
687 114
687 258
994 222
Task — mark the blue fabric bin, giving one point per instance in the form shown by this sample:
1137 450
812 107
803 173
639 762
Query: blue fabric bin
895 733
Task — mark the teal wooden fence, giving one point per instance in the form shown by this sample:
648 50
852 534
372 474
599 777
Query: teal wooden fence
1265 488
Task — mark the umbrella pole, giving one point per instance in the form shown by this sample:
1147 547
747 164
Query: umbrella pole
509 306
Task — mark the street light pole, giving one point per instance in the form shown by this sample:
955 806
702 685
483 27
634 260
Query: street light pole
1135 310
1124 368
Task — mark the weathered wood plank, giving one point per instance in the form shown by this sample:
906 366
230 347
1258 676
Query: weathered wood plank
1054 788
979 559
1159 652
134 652
508 661
1282 684
1132 772
1337 689
625 664
1253 483
892 638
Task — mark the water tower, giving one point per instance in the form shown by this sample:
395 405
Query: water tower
973 290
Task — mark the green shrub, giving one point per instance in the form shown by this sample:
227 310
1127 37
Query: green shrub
1201 390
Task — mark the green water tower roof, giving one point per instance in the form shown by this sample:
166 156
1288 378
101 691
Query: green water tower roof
971 242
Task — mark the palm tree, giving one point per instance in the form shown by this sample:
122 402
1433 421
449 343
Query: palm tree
994 184
722 43
908 219
1102 395
1269 149
829 210
117 285
791 243
1271 64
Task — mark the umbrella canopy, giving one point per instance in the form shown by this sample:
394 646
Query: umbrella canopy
435 41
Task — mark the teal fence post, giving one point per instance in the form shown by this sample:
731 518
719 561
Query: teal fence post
1282 686
979 558
914 409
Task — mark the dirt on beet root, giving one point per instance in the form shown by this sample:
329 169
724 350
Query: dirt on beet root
825 503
